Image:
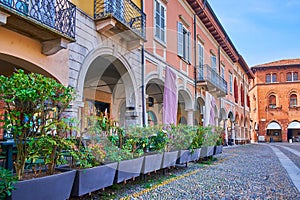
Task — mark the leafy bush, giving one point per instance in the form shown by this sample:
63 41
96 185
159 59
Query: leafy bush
34 105
7 179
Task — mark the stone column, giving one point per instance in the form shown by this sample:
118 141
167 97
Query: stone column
232 132
190 117
226 132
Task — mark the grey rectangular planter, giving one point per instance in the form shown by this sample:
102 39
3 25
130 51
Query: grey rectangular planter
194 154
183 157
169 159
92 179
206 151
128 169
218 149
152 163
54 187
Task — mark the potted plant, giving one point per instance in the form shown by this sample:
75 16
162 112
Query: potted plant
183 138
197 143
96 173
7 183
134 146
207 148
157 140
218 146
34 107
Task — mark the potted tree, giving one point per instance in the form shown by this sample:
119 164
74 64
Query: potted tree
34 107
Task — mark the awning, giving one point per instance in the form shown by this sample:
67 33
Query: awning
274 126
294 125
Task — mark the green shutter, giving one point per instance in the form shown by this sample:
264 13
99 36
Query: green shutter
180 39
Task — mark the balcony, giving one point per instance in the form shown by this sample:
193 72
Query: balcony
122 18
52 22
212 81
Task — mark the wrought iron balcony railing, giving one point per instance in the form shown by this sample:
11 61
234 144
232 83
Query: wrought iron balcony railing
124 11
207 74
59 15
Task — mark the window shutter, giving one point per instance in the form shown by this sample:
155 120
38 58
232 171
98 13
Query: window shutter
189 47
180 39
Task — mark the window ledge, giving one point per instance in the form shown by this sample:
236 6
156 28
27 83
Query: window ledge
159 41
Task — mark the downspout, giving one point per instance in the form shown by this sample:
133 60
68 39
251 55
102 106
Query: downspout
143 75
195 61
244 104
220 100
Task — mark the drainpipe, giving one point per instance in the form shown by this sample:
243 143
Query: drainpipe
195 61
143 78
244 104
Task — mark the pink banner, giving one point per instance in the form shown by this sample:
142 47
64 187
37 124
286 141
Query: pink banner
170 101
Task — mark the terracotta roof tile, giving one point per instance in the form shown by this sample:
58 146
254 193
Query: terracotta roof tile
283 62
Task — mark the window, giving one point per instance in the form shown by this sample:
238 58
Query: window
271 78
292 76
230 82
184 43
200 55
160 21
272 101
213 62
293 100
223 72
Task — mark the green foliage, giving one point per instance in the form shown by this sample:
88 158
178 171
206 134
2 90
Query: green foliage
7 179
212 135
199 137
180 137
34 105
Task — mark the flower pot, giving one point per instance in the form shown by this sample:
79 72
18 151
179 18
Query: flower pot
206 151
218 149
128 169
152 163
194 155
169 159
56 186
183 157
92 179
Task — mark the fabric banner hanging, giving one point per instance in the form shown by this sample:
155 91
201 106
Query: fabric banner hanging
170 101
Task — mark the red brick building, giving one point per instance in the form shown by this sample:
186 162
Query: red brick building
275 104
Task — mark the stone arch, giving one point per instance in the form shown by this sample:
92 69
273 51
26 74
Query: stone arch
185 106
154 93
92 56
187 97
199 113
106 79
11 63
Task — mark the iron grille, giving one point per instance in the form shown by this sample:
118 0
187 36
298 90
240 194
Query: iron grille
56 14
124 11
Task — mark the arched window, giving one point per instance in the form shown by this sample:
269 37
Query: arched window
272 101
293 100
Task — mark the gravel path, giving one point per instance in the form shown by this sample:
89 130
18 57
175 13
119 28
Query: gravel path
242 172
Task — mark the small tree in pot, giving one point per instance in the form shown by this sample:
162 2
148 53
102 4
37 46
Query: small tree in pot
34 105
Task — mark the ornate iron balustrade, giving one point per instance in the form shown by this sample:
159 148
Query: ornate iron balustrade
56 14
206 73
123 10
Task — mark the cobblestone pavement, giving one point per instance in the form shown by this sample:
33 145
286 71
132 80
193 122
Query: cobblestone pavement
241 172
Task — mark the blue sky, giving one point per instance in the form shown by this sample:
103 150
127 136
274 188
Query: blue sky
261 30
